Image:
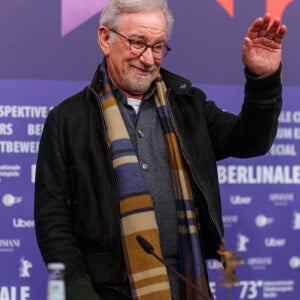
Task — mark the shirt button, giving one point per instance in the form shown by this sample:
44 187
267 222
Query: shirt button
145 167
141 133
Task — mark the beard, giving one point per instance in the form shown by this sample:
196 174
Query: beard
139 83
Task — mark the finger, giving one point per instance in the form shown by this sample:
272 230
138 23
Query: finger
280 34
254 28
259 27
265 25
273 29
247 42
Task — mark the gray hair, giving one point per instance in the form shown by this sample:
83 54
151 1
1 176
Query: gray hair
115 8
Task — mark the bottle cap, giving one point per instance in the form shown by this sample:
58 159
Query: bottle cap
56 266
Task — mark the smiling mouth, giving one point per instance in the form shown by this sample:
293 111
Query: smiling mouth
141 70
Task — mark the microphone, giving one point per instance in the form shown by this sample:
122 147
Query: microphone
148 248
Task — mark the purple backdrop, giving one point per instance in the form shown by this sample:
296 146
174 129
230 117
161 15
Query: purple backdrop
49 51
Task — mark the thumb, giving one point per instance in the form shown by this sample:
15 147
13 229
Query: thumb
247 42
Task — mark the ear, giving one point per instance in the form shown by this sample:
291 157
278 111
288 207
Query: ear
103 39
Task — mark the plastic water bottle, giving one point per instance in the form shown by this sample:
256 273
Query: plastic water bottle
56 281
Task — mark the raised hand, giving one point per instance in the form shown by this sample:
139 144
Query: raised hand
262 46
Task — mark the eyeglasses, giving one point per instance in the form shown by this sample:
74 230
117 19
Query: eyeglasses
138 47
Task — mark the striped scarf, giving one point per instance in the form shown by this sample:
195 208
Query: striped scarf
147 276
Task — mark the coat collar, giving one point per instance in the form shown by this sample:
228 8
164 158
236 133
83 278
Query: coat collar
175 83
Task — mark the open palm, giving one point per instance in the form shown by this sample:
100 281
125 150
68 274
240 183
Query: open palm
262 47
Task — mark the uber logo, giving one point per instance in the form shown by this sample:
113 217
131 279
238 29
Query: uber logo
20 223
240 200
272 242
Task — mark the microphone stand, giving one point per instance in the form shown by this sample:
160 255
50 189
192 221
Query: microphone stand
148 248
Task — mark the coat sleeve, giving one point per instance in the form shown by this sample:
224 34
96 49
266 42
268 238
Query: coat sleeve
252 132
52 213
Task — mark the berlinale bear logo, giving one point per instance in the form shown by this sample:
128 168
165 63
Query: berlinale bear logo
76 12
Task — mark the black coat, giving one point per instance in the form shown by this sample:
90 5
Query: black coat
76 204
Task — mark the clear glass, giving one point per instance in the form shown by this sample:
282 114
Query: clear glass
138 47
56 282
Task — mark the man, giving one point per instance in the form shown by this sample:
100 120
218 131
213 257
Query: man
134 155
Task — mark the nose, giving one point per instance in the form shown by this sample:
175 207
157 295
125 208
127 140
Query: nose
147 57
